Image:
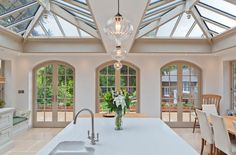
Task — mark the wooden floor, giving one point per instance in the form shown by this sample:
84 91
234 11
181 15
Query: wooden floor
34 139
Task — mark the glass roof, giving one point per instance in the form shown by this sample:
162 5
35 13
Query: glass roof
17 16
217 16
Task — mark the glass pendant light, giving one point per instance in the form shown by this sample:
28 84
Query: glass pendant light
118 54
118 27
118 65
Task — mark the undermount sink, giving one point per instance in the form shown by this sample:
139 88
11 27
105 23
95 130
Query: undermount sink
72 148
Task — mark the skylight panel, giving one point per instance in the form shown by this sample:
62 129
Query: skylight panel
19 16
216 17
21 27
81 1
50 25
196 32
221 5
184 25
215 28
38 31
166 29
69 29
10 5
84 34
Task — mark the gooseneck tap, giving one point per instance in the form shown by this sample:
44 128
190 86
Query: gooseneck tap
92 136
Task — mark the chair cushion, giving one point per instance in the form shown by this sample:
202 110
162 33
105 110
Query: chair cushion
18 119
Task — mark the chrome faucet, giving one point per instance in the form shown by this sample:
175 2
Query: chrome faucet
92 136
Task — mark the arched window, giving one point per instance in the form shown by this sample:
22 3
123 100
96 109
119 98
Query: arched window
53 97
180 92
108 79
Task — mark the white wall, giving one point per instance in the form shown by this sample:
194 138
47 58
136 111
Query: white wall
85 66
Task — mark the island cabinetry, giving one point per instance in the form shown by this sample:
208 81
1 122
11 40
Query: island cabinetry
6 125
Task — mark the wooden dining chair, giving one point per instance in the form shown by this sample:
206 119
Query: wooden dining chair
221 136
208 99
206 131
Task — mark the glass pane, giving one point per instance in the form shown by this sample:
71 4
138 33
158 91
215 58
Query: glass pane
215 28
69 29
19 16
216 17
61 116
69 116
111 70
38 31
10 5
111 80
221 5
103 80
48 116
132 81
196 32
184 25
132 71
165 30
40 116
50 25
20 27
124 70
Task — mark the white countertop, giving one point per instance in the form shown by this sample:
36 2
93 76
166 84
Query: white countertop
140 136
4 110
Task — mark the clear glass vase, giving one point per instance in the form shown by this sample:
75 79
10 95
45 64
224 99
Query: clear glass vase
118 119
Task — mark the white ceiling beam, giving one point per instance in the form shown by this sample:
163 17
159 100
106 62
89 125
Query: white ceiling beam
231 1
190 4
71 19
44 29
78 4
164 19
34 21
200 22
217 11
19 9
158 4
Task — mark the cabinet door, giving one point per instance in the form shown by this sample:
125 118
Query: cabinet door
5 121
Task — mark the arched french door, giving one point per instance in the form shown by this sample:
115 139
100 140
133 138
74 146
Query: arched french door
53 97
108 79
180 92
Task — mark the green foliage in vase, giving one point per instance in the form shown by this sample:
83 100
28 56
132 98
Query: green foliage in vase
107 104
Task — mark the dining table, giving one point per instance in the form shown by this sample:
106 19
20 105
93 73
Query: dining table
228 123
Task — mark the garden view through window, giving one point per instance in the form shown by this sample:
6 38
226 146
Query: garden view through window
54 95
125 79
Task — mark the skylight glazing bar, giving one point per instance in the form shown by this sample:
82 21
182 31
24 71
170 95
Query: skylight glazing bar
73 9
44 29
163 9
176 24
213 32
191 29
215 23
79 32
158 4
59 25
20 33
145 22
18 9
20 22
226 14
78 4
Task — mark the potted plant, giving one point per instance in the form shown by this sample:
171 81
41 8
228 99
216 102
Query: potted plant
2 103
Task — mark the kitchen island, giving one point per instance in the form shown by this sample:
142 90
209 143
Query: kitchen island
140 136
